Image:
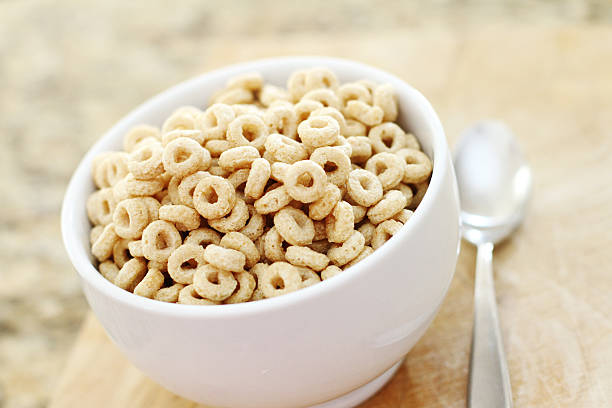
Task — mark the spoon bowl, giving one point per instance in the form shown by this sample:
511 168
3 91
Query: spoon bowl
494 182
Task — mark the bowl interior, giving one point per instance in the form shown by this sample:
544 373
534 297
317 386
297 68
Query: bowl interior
416 115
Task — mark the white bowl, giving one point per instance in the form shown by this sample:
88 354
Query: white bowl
304 348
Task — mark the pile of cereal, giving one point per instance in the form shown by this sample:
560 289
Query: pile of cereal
267 191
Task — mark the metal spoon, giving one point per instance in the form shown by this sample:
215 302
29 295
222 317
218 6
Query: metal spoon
494 182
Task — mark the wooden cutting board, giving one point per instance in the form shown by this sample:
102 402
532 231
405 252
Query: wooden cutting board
553 85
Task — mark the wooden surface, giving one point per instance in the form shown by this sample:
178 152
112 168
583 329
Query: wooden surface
553 85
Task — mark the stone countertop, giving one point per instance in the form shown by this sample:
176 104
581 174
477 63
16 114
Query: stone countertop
70 71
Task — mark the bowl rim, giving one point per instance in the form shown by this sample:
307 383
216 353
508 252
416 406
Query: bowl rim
88 273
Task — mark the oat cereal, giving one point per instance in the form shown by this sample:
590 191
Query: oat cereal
264 192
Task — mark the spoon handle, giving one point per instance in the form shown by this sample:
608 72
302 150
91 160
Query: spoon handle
489 382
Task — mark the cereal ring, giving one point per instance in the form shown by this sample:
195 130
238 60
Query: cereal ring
203 237
320 77
184 261
137 134
240 242
183 192
325 96
388 168
354 128
130 187
319 131
386 99
189 296
162 266
277 170
215 148
343 146
336 164
150 284
358 213
418 166
131 274
146 162
180 119
340 223
159 239
305 181
184 156
224 258
272 201
281 119
406 191
96 162
109 270
365 252
247 109
135 248
421 189
279 278
323 206
353 91
367 229
95 233
111 169
152 206
412 142
238 158
234 221
100 206
214 121
173 190
214 197
330 272
384 231
296 84
387 137
361 148
184 218
273 245
285 149
392 202
403 216
244 291
169 294
294 226
257 179
213 283
303 109
270 94
369 85
121 253
257 272
348 250
194 134
233 96
304 256
239 178
364 187
255 226
247 130
308 276
366 114
252 81
130 218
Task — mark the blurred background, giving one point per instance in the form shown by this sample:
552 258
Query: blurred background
70 69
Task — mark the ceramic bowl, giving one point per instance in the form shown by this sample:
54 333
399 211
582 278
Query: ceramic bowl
331 344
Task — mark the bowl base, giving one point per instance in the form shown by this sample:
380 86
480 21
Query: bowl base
362 393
